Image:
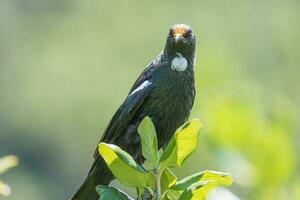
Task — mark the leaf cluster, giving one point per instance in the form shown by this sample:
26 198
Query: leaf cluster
157 178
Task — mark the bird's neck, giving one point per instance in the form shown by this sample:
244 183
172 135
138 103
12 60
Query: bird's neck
170 55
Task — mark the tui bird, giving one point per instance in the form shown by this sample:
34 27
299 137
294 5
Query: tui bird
164 91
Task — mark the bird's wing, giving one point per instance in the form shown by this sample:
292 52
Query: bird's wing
124 115
146 74
136 97
137 94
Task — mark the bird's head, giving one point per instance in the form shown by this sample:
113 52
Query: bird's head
181 40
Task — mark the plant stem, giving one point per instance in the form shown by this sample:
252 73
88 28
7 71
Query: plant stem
157 192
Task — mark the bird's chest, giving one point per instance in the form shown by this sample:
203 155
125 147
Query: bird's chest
170 102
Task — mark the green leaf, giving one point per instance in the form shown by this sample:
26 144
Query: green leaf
167 179
182 144
149 141
4 189
124 168
221 178
198 191
8 162
197 186
106 192
172 195
139 192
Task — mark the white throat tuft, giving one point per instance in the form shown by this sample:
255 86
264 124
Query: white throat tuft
179 63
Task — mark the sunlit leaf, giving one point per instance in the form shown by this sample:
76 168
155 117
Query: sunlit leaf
221 178
172 195
167 180
106 193
8 162
149 141
4 189
139 192
198 185
198 191
182 144
123 166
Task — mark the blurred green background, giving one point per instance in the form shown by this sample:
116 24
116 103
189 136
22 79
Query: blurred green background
66 66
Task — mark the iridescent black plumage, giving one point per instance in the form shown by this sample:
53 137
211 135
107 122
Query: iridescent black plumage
162 93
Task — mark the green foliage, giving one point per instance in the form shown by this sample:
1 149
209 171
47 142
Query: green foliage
254 145
182 144
149 141
168 179
159 180
106 192
220 178
198 190
197 185
122 165
6 163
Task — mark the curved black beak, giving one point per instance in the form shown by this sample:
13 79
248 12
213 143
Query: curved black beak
178 38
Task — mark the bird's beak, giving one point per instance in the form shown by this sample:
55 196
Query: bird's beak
177 37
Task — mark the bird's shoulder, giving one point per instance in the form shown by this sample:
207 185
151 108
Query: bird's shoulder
148 71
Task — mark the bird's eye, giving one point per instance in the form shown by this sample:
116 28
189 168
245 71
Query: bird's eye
171 32
188 33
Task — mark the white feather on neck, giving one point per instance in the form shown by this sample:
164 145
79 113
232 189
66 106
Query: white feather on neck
179 63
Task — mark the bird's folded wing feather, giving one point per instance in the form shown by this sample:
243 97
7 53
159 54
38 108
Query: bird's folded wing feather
138 93
124 115
136 97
